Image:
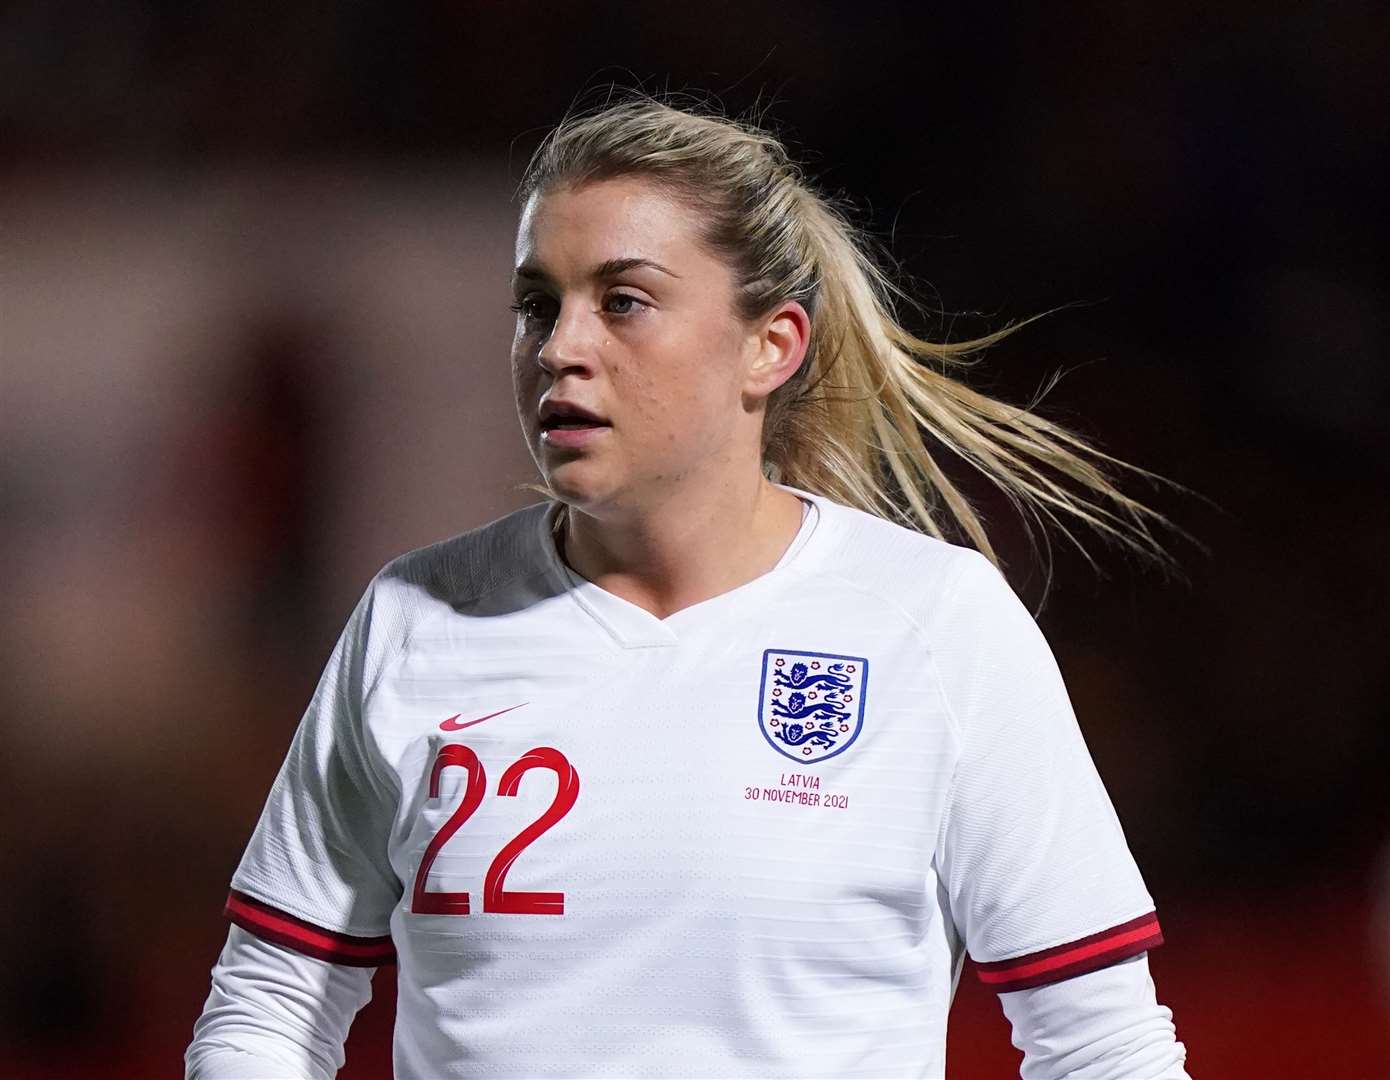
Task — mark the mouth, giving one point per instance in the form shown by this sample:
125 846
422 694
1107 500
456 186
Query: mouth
567 423
572 436
561 422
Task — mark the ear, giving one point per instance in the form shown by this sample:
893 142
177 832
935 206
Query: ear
778 345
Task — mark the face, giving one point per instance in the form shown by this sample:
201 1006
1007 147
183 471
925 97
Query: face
623 313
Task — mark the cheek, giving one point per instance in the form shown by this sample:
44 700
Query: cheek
525 372
678 407
519 350
675 388
526 389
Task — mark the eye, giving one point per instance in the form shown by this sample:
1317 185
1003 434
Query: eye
537 307
622 304
532 306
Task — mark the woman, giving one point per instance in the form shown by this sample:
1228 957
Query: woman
712 764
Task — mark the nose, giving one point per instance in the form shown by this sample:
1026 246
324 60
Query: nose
568 347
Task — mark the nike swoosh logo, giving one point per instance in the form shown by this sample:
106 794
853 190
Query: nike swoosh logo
450 725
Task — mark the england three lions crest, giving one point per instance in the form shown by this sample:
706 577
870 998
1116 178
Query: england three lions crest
811 705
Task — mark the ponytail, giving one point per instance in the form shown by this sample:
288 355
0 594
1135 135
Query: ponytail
856 423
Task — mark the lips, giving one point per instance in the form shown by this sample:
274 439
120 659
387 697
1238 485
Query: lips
556 413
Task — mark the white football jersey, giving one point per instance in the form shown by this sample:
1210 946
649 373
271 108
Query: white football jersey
755 837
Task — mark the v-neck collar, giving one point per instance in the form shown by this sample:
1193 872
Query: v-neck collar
632 626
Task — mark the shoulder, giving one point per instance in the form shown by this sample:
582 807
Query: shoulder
449 576
971 629
462 568
930 579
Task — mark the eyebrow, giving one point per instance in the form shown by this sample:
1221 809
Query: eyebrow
607 269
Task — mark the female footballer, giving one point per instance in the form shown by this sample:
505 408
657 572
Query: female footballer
719 760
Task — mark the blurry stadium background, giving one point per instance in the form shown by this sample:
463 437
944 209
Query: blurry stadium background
253 288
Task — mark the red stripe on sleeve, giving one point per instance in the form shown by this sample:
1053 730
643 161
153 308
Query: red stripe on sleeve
1074 958
282 928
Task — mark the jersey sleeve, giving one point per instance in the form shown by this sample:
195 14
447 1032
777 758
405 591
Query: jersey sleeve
315 876
1104 1025
1041 883
274 1012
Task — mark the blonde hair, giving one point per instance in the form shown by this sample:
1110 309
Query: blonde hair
852 423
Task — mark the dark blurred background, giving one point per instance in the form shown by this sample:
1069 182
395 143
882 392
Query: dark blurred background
254 334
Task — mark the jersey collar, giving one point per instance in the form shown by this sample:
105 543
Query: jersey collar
631 626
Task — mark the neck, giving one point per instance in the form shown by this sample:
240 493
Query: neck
687 547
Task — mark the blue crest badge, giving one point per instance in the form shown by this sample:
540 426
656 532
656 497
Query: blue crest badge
811 705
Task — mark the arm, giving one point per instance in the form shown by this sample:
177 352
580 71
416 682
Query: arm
1104 1025
274 1013
312 897
1042 886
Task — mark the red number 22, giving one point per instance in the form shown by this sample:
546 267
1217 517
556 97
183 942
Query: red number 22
495 896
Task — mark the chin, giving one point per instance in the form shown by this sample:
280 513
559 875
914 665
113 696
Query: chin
578 483
599 496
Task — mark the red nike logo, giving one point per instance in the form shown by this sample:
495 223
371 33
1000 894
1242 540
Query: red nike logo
450 725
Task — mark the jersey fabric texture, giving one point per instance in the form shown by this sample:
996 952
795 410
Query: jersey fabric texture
755 837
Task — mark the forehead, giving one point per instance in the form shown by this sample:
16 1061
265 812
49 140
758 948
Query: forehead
624 216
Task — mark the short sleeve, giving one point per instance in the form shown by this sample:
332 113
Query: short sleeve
1041 882
315 876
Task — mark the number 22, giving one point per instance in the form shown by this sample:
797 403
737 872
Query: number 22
495 896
